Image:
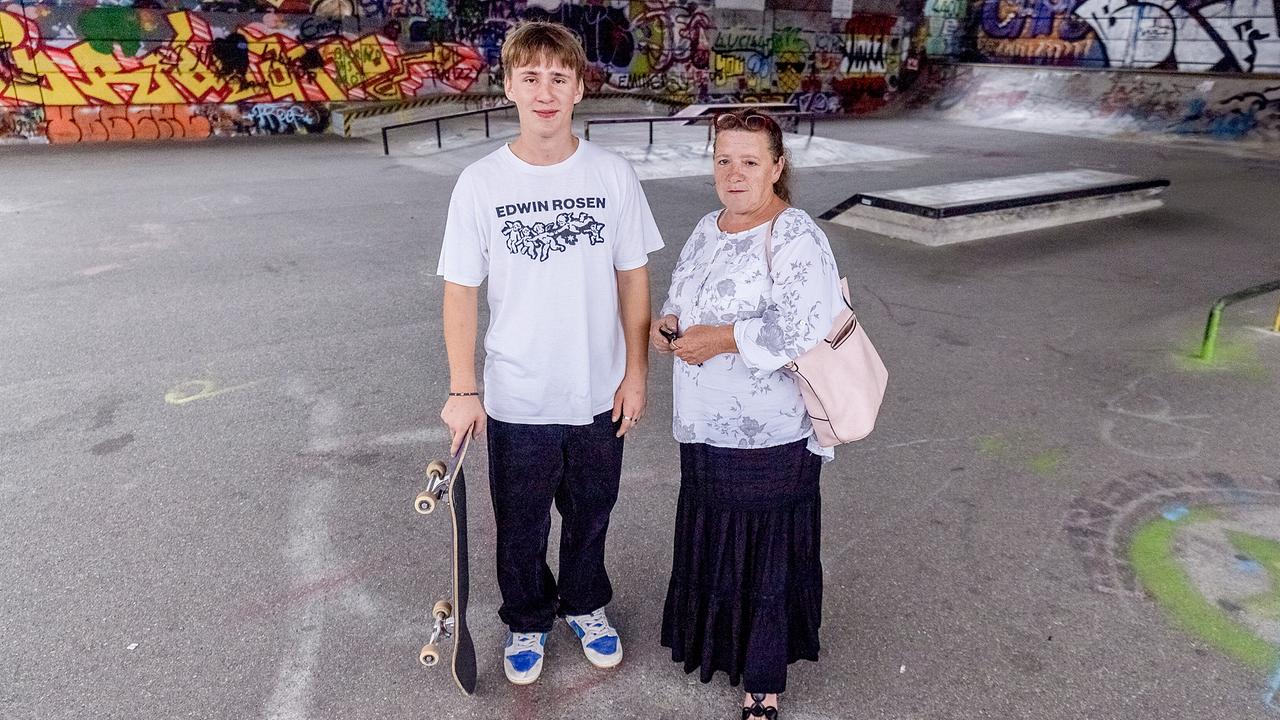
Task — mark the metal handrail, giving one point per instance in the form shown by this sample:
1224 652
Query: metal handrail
1210 343
586 126
439 143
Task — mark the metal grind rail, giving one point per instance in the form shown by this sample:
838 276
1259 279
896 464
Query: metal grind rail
439 142
709 119
1209 346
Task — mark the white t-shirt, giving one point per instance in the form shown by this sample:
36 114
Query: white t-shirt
549 238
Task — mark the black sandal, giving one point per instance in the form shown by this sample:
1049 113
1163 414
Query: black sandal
758 709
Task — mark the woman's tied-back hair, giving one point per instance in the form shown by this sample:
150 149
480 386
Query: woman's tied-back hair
534 41
754 121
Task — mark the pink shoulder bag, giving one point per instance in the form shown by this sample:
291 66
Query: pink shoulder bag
842 378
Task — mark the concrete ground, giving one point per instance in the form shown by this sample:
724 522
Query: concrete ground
222 372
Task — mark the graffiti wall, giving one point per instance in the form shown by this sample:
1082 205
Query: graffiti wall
1181 35
1105 104
185 69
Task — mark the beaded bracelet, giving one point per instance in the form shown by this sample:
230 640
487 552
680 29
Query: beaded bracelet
469 394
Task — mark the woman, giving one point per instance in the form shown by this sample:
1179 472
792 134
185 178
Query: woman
756 286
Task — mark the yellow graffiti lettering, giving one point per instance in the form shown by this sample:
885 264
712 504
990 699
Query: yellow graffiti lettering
728 66
59 90
25 92
99 73
202 84
13 30
372 58
105 79
187 70
180 21
331 89
72 72
283 85
345 67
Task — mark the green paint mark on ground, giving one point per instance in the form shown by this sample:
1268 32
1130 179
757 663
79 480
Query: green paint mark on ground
1022 451
1267 554
1151 554
106 27
1047 462
1236 356
993 446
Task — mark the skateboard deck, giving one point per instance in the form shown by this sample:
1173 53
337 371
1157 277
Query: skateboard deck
449 618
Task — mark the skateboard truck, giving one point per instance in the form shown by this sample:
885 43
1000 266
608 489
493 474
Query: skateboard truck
441 629
437 486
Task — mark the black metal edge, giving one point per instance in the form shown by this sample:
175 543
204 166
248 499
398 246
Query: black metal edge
1027 201
882 203
936 213
834 212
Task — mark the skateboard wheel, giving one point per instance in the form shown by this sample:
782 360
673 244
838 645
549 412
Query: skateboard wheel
430 655
425 503
442 609
436 469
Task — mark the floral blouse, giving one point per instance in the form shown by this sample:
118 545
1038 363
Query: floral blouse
745 400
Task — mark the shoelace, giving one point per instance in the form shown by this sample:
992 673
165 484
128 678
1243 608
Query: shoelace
595 625
524 641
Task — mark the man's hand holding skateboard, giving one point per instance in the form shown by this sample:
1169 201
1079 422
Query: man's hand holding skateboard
463 414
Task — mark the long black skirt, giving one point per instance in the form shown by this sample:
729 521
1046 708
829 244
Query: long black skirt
745 595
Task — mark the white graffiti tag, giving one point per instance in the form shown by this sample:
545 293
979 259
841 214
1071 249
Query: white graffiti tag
1210 36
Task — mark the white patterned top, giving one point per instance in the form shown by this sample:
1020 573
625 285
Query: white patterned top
745 400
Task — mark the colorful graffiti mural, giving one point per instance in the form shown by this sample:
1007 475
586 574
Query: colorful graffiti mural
86 70
258 62
1218 35
854 68
1184 35
77 73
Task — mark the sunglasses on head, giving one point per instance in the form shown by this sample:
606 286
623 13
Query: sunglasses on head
752 121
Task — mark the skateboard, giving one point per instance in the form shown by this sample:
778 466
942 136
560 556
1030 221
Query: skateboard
449 619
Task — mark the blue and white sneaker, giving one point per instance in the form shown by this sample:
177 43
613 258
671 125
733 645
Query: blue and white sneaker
600 641
522 657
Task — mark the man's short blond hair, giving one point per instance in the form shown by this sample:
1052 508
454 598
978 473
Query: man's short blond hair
534 41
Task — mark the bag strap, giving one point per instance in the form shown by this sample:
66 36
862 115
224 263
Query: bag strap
768 240
768 257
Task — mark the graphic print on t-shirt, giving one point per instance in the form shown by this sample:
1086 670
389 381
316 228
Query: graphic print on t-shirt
538 240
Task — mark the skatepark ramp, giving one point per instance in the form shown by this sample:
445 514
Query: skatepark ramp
1236 110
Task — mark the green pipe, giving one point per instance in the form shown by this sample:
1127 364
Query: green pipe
1210 343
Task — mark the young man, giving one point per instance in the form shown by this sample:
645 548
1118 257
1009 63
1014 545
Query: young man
562 230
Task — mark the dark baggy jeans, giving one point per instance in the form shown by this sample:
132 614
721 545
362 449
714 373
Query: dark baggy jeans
577 466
